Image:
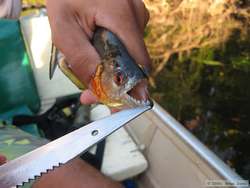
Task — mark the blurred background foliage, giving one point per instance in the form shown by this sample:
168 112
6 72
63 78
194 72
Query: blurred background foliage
201 71
32 7
200 51
29 3
179 26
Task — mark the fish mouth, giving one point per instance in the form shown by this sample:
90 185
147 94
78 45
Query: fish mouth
138 94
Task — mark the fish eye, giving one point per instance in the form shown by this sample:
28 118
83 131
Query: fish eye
120 77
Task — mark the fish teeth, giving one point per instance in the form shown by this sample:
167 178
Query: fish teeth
148 102
139 102
144 103
133 99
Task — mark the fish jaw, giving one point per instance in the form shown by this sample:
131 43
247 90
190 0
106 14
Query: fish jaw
115 59
129 100
132 102
104 88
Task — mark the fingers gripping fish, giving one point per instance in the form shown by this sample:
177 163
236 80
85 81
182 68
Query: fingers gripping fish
114 77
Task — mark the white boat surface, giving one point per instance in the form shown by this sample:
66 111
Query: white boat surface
176 157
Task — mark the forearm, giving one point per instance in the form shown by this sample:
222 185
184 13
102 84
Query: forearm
10 9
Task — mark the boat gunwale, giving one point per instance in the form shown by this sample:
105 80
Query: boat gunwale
203 151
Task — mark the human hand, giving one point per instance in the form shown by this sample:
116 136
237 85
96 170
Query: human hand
75 173
73 23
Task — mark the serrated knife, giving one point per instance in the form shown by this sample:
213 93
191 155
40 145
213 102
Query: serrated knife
60 151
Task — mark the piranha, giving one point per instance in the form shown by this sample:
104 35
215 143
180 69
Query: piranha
115 77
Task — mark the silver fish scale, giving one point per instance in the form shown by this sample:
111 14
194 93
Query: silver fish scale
60 151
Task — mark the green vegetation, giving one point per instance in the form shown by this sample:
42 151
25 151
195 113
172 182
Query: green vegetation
209 93
202 76
33 2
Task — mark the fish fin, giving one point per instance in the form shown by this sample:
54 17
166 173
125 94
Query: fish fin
68 72
53 61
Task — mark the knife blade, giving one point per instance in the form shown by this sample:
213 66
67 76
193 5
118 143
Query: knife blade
60 151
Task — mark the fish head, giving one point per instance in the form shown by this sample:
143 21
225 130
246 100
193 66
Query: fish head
118 74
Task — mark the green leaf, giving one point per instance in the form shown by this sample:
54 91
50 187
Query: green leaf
23 142
212 63
9 141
